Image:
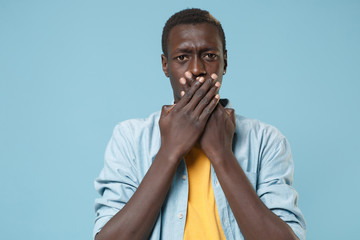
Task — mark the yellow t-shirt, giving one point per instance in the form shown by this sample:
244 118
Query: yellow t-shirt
202 219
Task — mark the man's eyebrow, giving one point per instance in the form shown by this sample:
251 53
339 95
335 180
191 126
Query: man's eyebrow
210 49
191 50
183 50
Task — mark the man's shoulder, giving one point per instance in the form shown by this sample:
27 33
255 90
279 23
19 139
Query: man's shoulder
137 127
151 119
257 129
260 140
253 128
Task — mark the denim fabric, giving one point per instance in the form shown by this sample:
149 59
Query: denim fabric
261 150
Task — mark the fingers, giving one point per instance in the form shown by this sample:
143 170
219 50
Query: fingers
231 113
205 114
185 86
209 87
166 109
186 98
199 95
207 98
186 82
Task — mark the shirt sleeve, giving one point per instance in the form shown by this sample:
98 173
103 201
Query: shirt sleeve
275 186
117 181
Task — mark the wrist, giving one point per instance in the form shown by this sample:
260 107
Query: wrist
170 154
219 155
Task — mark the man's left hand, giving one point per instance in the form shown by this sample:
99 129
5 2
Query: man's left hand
217 137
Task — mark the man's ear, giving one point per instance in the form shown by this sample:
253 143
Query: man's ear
164 62
225 61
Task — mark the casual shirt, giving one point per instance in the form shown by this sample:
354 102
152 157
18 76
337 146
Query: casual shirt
261 150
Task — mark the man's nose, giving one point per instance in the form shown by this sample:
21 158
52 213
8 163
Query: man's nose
197 67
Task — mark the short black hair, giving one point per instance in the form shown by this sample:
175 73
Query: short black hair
190 16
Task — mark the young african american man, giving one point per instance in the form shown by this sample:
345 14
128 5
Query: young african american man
196 170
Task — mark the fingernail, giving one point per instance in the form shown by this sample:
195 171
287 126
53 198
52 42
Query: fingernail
201 79
188 74
217 84
214 76
182 93
217 96
182 81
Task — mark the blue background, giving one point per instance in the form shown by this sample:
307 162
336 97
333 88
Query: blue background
70 70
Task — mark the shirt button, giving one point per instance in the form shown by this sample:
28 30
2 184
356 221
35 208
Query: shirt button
216 183
184 177
180 216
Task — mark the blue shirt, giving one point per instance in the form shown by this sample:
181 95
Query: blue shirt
261 150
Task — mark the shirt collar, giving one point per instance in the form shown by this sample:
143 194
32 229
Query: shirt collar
225 103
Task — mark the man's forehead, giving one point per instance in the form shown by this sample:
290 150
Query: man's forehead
199 28
185 35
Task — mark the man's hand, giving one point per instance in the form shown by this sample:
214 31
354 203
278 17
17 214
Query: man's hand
182 123
220 127
217 137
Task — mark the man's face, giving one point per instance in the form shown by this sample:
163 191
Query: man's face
194 48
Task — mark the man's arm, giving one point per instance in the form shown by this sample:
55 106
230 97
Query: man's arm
137 218
180 125
255 220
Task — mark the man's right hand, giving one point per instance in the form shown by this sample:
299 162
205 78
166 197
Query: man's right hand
182 124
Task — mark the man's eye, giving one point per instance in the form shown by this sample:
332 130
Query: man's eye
181 58
211 56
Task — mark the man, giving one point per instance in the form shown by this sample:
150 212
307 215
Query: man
196 170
